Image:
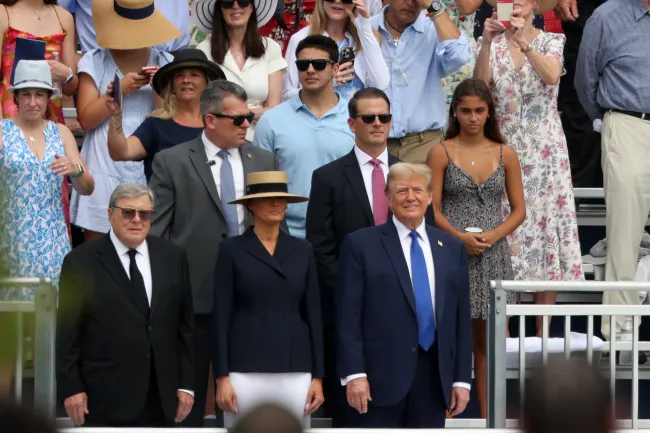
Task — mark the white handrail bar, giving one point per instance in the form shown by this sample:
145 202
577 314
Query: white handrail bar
570 286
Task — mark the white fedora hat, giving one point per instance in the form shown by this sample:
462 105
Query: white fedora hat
202 11
33 74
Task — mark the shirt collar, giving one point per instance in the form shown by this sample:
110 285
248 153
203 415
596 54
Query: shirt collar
404 232
348 37
640 9
418 25
123 249
340 107
364 158
212 149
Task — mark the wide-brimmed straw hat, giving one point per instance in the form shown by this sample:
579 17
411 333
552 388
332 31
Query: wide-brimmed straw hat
33 74
187 59
268 184
131 24
202 11
544 6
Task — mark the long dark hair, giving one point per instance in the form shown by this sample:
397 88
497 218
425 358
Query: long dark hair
253 41
474 87
13 2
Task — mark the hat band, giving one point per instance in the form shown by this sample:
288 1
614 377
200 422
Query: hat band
260 188
32 81
134 14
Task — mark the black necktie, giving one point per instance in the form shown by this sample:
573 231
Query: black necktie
137 282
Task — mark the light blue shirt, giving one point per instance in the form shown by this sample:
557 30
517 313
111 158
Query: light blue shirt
302 143
416 65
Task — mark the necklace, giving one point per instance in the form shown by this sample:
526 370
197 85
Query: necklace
395 40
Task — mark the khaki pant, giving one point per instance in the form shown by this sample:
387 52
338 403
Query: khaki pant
414 148
626 171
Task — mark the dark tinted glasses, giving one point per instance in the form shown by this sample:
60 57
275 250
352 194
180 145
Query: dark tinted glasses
237 119
318 64
129 214
228 4
345 2
370 118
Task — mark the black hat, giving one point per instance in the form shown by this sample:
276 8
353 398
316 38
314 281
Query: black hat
185 59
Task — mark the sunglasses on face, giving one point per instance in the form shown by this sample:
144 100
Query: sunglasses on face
370 118
129 214
345 2
228 4
237 119
318 64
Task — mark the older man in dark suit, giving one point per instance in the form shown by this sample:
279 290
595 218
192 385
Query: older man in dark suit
193 183
124 353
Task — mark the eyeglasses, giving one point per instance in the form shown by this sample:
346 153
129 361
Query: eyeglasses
318 64
370 118
237 119
129 214
345 2
228 4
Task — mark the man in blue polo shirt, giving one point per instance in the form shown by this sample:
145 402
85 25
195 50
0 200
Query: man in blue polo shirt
311 129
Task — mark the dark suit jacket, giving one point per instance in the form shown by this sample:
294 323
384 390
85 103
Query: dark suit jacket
188 208
338 205
267 308
377 318
106 338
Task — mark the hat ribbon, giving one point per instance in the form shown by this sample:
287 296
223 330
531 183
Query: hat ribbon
32 81
134 14
260 188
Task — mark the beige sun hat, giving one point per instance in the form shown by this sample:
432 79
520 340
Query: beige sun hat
268 184
131 24
544 6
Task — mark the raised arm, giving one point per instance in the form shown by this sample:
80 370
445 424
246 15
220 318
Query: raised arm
84 184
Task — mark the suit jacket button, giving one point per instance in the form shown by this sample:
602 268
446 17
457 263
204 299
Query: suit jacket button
414 349
150 328
148 357
224 236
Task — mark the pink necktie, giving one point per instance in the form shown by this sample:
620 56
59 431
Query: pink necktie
379 200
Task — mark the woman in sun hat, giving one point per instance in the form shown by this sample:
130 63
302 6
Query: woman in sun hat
127 31
180 84
522 66
268 331
253 61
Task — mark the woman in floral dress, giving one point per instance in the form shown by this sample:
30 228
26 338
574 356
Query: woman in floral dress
522 65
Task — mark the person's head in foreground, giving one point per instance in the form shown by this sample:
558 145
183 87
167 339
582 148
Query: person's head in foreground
567 397
129 210
17 419
408 188
268 418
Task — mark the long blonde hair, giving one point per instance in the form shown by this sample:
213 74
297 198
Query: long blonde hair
319 21
170 107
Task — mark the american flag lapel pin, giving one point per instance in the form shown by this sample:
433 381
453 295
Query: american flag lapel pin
440 243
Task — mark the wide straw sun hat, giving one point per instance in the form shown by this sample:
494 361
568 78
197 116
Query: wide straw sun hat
268 184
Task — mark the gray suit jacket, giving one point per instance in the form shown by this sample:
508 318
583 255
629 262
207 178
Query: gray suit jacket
188 208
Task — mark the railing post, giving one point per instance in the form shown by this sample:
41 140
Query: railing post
496 357
44 352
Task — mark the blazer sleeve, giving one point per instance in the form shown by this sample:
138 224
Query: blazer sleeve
313 310
223 306
186 329
161 185
348 307
463 371
69 328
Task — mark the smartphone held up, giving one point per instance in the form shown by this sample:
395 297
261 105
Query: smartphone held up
504 11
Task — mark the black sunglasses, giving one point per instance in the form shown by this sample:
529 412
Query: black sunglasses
237 119
129 214
228 4
370 118
318 64
345 2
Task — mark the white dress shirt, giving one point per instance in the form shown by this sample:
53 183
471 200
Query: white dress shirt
144 266
211 150
367 168
405 239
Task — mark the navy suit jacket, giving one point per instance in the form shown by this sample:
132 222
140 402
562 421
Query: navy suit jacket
377 319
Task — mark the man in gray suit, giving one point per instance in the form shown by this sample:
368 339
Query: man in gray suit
193 183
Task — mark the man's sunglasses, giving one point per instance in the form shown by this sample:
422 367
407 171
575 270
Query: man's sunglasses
228 4
318 64
237 119
370 118
129 214
345 2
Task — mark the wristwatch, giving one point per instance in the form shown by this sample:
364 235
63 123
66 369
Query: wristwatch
81 172
527 48
435 9
69 77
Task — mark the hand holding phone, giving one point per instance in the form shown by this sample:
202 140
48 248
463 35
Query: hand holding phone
504 11
116 93
347 55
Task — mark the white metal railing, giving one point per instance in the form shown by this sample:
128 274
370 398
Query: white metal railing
499 311
44 307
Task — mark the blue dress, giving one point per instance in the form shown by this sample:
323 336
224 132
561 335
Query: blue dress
34 237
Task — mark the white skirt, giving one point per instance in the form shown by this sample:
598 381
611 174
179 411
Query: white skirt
253 389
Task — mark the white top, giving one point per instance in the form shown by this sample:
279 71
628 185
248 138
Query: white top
367 168
254 76
211 151
369 63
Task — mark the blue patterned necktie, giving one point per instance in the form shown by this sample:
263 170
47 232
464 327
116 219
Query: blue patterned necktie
228 194
422 290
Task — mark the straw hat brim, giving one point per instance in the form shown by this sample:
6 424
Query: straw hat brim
544 6
291 198
202 11
118 33
164 75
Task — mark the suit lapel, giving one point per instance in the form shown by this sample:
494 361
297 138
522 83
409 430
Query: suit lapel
156 262
392 160
248 164
355 179
254 246
393 246
199 158
438 269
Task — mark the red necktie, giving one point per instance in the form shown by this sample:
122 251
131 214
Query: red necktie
379 200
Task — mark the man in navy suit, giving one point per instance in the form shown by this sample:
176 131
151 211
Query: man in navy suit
403 314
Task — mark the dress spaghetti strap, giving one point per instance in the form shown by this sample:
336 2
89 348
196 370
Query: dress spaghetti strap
58 18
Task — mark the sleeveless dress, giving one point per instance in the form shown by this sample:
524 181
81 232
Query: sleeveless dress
468 204
33 233
54 43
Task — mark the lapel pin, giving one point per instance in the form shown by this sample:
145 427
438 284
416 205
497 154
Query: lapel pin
440 243
249 155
